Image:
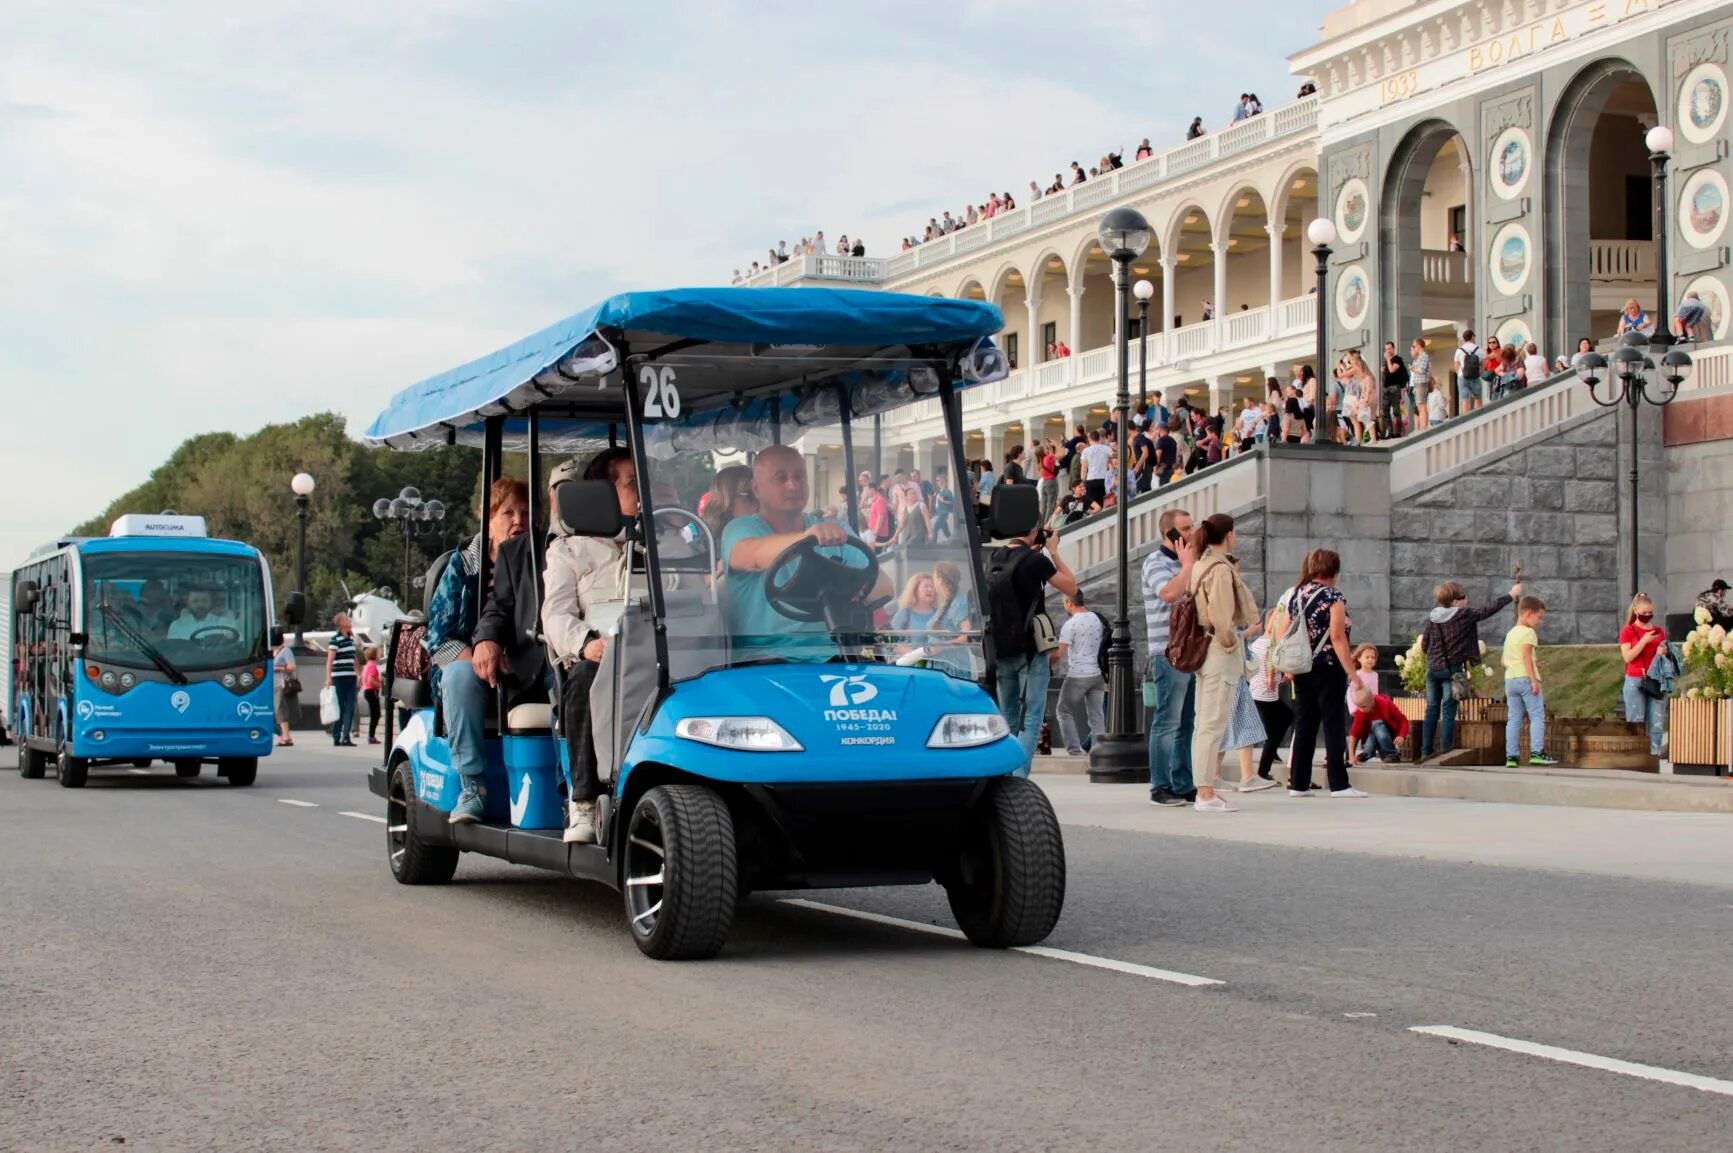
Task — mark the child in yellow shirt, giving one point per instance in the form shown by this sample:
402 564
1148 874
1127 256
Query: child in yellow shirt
1522 693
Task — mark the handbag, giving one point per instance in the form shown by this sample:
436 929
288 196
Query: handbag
1651 687
1461 688
1188 641
291 686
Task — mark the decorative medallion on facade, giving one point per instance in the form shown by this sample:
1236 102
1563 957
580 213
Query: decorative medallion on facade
1353 296
1713 293
1512 158
1353 209
1703 208
1703 103
1511 259
1515 331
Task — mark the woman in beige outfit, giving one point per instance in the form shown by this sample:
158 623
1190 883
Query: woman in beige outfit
1224 606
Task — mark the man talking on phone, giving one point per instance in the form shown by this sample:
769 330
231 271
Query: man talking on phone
1166 578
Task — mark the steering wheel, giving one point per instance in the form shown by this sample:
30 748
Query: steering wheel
805 585
233 635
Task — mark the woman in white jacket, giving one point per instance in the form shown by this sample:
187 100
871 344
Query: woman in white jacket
583 574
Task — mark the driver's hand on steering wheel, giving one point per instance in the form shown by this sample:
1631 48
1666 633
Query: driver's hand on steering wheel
828 533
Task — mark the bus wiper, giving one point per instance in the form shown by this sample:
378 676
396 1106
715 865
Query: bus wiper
113 617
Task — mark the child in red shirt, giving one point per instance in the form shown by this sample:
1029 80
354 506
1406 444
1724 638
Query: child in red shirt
1377 722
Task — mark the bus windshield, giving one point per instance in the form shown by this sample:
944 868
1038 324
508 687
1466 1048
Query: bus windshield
884 573
190 610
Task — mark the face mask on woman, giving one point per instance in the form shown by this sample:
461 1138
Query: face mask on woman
1645 618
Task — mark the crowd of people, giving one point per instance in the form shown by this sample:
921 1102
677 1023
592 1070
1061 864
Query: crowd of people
813 245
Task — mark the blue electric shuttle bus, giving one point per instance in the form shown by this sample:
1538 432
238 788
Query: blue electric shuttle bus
151 644
812 710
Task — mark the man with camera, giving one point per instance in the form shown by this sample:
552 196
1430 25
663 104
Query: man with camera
1024 639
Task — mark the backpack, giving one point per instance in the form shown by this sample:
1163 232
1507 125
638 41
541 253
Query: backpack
1018 629
1291 649
1470 364
1188 641
1106 644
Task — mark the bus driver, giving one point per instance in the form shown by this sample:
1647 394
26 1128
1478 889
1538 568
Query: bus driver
200 613
751 544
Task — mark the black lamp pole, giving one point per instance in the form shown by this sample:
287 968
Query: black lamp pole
1660 142
1322 233
1142 349
302 486
1632 369
1120 755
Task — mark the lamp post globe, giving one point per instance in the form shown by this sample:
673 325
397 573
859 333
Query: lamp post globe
1659 139
1118 755
303 484
382 507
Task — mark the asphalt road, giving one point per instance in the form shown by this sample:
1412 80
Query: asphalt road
186 966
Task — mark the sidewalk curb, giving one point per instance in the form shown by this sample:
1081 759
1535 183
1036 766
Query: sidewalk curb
1575 788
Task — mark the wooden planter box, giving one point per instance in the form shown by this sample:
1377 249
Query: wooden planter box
1700 736
1577 742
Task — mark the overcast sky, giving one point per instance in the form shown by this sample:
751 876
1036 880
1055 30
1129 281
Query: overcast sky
218 215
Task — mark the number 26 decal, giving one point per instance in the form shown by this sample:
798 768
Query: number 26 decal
661 398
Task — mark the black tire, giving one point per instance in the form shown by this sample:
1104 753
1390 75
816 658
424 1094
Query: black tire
141 763
72 771
239 771
32 765
187 768
682 877
1009 885
412 860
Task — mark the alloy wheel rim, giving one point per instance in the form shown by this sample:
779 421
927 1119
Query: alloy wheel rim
397 823
646 857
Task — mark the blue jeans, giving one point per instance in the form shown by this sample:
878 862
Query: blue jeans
1023 683
463 698
1649 712
1440 705
345 725
1380 742
1520 696
1170 727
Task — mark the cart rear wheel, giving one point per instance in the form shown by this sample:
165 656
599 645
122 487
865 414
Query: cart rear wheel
32 765
72 771
236 770
1009 885
413 861
682 877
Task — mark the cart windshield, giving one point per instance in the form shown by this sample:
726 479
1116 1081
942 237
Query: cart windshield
786 554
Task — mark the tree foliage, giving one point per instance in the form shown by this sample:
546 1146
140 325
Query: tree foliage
240 485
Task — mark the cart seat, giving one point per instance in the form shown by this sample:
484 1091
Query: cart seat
529 719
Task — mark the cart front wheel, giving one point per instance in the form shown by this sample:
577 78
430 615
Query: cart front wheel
413 861
32 765
682 878
1008 887
72 771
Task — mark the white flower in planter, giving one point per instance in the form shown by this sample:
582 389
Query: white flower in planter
1482 648
1717 635
1727 646
1701 616
1692 694
1401 661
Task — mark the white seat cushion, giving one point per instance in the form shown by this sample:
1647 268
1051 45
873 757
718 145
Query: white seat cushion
522 717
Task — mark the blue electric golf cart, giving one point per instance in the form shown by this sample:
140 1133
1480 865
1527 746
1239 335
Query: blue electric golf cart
820 718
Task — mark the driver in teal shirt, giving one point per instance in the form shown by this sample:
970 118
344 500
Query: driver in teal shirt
751 544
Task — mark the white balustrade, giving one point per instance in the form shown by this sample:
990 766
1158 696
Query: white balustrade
1053 374
1442 269
1233 484
1298 315
1193 339
1248 326
1096 363
1710 368
1621 260
1300 116
1426 455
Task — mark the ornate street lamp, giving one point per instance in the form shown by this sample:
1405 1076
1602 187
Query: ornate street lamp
302 485
1660 142
1143 290
416 516
1631 369
1322 233
1119 755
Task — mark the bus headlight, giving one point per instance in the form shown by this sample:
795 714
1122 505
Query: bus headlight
109 680
228 680
745 734
246 680
127 680
967 730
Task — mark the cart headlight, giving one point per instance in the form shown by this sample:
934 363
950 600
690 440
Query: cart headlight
967 730
747 734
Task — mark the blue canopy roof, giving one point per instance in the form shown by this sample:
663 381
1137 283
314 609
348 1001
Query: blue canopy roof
749 341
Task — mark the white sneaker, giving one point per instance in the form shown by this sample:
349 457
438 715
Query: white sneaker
580 823
1214 805
1256 785
1348 792
1301 793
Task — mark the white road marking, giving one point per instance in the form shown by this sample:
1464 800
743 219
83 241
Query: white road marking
362 816
1573 1057
1051 954
297 804
1358 1016
139 772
